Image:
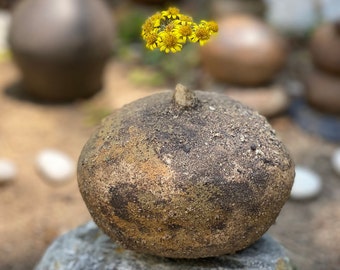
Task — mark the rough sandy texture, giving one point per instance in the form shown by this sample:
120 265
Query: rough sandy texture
185 181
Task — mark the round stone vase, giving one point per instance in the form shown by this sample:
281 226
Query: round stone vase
189 174
61 47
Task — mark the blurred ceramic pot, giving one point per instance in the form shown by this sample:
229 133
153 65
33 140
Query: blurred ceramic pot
245 52
61 47
7 4
323 91
221 8
268 101
153 1
325 47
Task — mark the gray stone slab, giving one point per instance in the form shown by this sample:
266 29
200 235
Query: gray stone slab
88 248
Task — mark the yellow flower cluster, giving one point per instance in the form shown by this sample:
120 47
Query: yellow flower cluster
169 30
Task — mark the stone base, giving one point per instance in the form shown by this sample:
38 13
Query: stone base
88 248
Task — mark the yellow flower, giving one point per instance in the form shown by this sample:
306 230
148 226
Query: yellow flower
213 27
168 30
147 27
151 40
170 26
171 13
156 19
202 33
185 19
170 42
185 31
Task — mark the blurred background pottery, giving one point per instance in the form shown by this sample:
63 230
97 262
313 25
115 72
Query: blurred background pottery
245 52
154 1
325 47
323 91
323 82
8 4
61 47
269 101
222 8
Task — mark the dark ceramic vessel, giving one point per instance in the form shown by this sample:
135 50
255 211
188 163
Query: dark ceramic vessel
61 47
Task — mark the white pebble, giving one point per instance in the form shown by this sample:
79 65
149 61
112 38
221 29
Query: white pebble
307 184
55 166
8 171
336 161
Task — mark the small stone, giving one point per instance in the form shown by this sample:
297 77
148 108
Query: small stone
307 184
336 161
88 248
184 97
55 166
8 171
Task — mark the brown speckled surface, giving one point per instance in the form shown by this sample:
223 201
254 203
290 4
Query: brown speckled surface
185 183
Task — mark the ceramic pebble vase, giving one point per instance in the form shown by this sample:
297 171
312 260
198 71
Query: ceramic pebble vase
245 52
185 174
61 47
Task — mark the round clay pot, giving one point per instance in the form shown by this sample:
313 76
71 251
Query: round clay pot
325 47
244 52
61 47
185 175
323 91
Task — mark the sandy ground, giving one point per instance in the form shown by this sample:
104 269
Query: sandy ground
33 212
